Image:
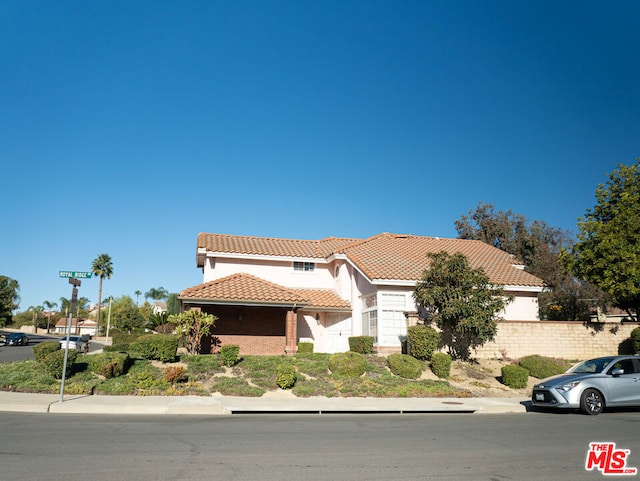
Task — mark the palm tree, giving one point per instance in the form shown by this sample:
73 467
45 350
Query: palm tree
65 304
35 310
138 294
49 305
102 267
156 294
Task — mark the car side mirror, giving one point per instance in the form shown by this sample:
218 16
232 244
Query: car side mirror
617 372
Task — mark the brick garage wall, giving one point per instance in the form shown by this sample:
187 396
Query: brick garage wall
260 345
568 340
256 330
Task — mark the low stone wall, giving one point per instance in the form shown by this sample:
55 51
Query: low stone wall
567 340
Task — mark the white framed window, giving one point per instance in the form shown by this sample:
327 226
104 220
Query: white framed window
304 266
393 300
370 324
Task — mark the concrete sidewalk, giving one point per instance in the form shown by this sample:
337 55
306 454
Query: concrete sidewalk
269 403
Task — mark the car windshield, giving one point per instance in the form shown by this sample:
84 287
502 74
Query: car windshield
591 366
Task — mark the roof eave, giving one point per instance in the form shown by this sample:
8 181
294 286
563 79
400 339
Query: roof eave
243 302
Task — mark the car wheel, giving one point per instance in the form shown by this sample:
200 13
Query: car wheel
592 402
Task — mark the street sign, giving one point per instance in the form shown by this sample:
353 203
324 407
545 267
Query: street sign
76 274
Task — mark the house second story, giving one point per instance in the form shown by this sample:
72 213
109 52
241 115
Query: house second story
363 272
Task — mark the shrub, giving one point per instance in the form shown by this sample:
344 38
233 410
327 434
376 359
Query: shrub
41 350
305 347
174 374
229 354
117 348
422 341
286 376
351 364
635 340
123 338
166 328
54 362
441 364
109 364
514 376
361 344
542 367
162 347
405 366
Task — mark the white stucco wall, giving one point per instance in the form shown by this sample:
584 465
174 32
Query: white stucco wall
278 272
524 307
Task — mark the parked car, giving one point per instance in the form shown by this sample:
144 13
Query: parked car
79 343
16 339
592 385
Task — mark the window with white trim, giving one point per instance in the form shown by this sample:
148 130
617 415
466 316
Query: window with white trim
304 266
370 324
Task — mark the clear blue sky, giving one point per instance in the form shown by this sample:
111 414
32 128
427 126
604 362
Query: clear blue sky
127 127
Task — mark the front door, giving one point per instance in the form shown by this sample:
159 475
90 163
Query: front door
338 331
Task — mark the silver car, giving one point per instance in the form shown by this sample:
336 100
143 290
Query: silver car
79 343
592 385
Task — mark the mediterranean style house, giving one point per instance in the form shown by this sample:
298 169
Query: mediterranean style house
269 294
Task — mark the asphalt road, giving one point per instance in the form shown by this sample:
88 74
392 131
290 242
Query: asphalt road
21 353
532 446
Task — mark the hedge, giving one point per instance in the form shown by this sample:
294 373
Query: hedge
635 340
305 347
54 362
161 347
351 364
514 376
41 350
405 366
441 364
229 354
286 376
542 367
422 341
109 364
361 344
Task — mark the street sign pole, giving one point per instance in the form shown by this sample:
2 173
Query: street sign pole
74 300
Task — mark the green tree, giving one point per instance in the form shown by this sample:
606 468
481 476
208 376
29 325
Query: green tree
173 306
9 299
607 251
137 294
156 294
461 301
538 247
193 325
102 267
125 315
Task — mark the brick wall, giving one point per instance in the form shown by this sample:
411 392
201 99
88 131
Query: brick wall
568 340
257 330
262 345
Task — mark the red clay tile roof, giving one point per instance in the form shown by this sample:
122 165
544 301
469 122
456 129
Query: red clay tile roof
243 287
381 257
248 288
270 246
403 257
323 299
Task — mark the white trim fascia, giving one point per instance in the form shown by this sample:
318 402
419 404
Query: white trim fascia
394 282
191 301
524 288
228 255
409 283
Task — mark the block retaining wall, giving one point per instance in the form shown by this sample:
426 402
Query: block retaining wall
567 340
